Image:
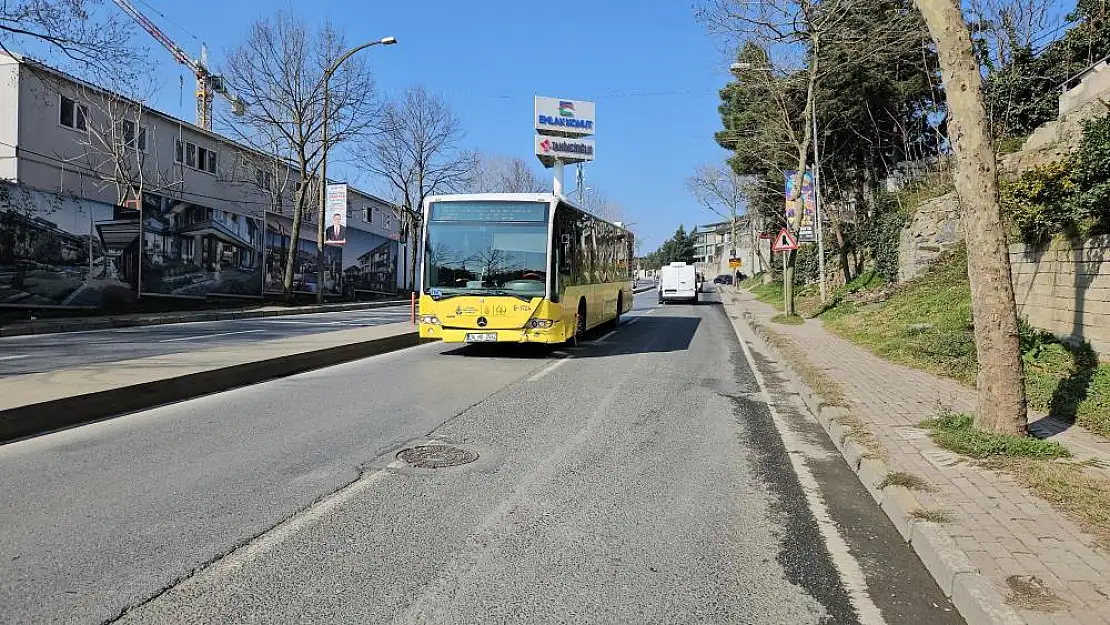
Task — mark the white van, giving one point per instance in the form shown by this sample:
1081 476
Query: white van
678 281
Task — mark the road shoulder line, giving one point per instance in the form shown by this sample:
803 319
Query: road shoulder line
851 573
974 598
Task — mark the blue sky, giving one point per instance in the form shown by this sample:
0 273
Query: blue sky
652 70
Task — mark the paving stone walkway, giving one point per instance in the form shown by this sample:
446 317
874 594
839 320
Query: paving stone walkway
1017 540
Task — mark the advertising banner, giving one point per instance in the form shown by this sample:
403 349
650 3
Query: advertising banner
190 250
564 149
335 215
58 251
805 223
571 118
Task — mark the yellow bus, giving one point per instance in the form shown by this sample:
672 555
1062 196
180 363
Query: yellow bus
520 268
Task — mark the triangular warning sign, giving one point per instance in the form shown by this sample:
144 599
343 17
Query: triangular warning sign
784 242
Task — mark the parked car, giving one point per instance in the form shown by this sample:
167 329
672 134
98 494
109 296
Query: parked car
724 278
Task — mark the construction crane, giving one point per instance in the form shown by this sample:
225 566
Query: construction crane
208 83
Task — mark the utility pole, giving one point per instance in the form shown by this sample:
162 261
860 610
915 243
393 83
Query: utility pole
817 208
320 225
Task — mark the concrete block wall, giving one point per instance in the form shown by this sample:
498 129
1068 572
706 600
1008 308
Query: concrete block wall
1064 288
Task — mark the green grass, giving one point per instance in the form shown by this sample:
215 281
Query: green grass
956 432
926 324
769 293
942 299
790 320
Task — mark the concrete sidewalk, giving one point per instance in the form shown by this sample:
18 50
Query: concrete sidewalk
77 324
41 402
1007 556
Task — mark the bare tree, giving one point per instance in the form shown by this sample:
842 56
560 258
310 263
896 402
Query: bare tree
279 70
497 174
786 37
1000 382
1006 26
416 150
594 200
724 192
68 27
790 32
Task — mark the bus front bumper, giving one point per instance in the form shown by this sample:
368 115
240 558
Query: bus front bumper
554 334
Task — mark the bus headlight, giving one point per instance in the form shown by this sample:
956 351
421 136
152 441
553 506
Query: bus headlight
430 320
540 323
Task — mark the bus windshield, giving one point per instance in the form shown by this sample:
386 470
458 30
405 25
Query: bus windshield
486 258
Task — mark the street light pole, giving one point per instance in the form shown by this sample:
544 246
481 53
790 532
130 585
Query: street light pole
741 66
320 226
818 206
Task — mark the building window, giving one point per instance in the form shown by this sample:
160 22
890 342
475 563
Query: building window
194 156
134 135
264 179
368 215
73 115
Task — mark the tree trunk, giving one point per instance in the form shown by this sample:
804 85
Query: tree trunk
294 245
841 247
1000 382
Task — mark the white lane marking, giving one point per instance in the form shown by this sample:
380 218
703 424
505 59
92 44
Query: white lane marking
549 368
607 335
208 336
303 323
854 581
15 357
651 311
631 321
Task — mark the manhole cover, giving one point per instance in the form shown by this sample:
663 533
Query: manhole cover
436 456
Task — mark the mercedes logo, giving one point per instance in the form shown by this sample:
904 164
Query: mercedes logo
482 322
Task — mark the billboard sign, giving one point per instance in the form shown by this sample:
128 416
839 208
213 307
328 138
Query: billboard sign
335 215
567 150
571 118
804 223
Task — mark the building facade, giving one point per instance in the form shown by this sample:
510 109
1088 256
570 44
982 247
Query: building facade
713 248
104 201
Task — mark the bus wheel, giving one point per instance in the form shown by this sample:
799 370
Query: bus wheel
620 307
580 323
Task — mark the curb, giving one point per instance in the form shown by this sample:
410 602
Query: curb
643 289
54 326
976 599
36 419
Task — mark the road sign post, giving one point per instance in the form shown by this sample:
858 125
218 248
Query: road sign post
784 242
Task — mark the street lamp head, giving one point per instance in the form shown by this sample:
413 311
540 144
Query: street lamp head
739 67
388 41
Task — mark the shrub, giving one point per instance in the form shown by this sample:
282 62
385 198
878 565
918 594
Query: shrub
1037 201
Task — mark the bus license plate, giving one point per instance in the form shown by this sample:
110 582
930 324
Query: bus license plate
481 337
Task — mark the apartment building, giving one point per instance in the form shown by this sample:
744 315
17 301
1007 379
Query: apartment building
103 200
713 247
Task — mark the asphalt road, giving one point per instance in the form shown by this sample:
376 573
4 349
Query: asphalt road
46 352
638 478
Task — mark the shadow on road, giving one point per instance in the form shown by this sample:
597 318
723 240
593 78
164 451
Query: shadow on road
648 335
